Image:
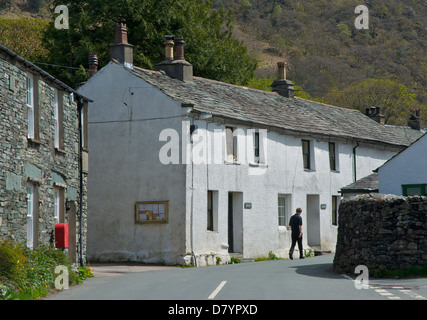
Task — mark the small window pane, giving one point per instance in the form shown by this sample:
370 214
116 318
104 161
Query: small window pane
282 211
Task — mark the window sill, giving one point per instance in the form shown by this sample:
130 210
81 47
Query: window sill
260 165
309 170
34 141
231 162
60 151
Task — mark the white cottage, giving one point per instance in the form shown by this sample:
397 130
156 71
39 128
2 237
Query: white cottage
406 173
190 170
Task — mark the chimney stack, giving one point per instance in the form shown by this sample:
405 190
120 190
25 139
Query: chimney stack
177 68
375 114
93 64
415 122
121 50
281 85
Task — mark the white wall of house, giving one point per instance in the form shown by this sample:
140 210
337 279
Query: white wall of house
407 168
126 121
257 230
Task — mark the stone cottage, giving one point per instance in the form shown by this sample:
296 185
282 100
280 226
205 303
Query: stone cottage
191 170
43 156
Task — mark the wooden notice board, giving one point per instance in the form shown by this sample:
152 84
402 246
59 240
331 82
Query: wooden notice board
151 212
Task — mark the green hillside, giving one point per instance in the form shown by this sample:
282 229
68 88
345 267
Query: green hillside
326 54
328 57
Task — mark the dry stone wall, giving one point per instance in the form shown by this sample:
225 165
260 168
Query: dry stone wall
381 232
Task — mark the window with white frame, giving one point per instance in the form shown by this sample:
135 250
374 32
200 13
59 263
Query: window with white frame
333 157
306 154
30 106
231 144
59 204
283 209
259 145
30 214
256 147
56 118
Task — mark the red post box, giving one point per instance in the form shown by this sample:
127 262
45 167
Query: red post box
61 235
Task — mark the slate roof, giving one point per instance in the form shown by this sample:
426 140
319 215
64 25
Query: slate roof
270 109
34 68
366 184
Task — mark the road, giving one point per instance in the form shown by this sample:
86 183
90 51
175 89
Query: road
308 279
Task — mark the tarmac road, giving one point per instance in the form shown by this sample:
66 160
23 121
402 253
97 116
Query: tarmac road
308 279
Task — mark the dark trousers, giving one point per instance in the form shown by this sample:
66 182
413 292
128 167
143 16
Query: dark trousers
296 239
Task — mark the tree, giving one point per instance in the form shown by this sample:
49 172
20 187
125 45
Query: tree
210 45
24 36
395 100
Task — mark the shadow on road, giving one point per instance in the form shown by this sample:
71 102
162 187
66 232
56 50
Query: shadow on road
319 270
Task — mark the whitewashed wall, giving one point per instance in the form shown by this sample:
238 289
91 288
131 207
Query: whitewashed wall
127 118
284 175
125 168
409 167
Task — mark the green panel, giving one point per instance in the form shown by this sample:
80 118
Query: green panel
57 178
71 193
13 181
31 171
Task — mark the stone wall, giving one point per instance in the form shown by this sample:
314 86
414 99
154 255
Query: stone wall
25 161
381 231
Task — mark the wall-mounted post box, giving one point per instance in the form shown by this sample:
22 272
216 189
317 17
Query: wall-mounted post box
61 235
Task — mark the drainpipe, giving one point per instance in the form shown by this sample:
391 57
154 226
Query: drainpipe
354 161
192 196
80 110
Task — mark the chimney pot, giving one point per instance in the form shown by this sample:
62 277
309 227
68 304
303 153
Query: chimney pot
121 33
169 43
282 70
415 122
179 42
93 64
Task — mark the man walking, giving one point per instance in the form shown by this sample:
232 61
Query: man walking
296 226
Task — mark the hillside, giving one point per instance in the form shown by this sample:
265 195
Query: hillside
326 55
323 48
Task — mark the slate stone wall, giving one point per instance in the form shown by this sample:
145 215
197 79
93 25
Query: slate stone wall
23 161
381 231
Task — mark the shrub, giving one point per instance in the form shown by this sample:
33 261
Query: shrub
30 274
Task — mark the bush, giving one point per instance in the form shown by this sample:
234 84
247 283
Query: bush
29 274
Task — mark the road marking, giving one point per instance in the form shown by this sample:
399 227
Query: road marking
215 292
413 294
389 295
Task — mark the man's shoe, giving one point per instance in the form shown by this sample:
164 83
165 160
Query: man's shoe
302 257
290 256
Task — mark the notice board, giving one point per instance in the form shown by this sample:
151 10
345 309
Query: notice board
151 212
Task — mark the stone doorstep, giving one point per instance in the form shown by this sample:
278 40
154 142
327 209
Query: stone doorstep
321 252
240 257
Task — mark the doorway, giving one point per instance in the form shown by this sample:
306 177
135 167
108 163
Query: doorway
235 222
313 220
72 224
